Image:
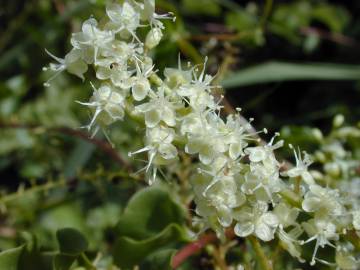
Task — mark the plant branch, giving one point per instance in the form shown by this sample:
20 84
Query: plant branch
40 188
102 145
264 261
194 247
334 37
266 14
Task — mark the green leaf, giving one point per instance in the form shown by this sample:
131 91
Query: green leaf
148 212
335 17
159 260
282 71
9 259
128 252
197 7
151 222
241 20
71 241
63 262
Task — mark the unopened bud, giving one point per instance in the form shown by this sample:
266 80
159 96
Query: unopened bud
153 38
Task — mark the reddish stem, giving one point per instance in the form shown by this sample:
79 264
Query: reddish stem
194 247
191 249
334 37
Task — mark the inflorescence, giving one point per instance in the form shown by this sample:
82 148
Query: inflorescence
237 181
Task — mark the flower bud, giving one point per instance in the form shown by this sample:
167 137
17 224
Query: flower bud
332 169
317 134
153 38
338 120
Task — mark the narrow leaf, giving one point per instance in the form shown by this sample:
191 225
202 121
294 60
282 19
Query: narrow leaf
282 71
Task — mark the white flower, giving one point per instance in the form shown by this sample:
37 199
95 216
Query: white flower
141 85
108 105
160 138
288 240
91 39
72 62
176 77
193 124
198 91
321 230
217 197
286 214
256 220
323 201
206 141
147 12
265 153
113 61
123 18
236 135
159 108
262 181
345 260
159 142
159 147
301 168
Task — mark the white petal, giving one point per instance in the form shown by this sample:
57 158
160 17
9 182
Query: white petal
193 146
263 232
103 73
245 214
152 118
307 177
270 219
167 151
224 216
294 172
140 90
244 229
256 154
114 12
77 68
206 155
311 204
235 150
168 116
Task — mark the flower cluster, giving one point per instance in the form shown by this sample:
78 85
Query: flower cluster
237 182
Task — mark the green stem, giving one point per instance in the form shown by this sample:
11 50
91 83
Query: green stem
266 14
264 261
41 188
87 262
297 185
189 50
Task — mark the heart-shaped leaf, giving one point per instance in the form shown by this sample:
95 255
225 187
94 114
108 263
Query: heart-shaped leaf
9 259
63 262
148 212
71 241
128 252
